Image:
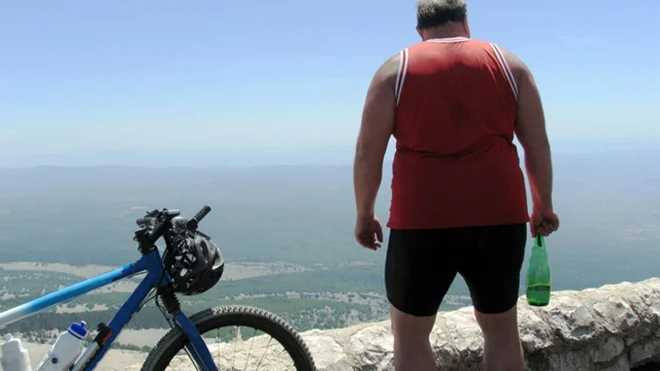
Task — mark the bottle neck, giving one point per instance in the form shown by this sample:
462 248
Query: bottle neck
540 242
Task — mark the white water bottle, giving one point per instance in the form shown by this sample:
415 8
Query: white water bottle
14 357
66 350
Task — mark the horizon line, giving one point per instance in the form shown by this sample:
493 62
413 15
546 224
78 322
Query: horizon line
234 158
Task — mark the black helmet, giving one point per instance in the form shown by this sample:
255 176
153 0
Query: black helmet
194 262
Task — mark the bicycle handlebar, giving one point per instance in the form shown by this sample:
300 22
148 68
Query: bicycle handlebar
194 222
160 221
147 220
202 213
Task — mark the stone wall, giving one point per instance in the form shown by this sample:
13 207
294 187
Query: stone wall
615 327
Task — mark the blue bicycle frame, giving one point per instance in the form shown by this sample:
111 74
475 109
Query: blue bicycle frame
156 277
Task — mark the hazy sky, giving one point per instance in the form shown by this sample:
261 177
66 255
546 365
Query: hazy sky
79 76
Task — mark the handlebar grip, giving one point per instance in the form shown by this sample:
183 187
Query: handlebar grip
172 212
202 213
145 221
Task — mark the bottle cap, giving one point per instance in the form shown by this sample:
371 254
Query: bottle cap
78 329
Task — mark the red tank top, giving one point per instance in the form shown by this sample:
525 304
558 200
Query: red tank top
455 163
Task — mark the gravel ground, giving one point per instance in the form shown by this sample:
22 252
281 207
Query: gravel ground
115 359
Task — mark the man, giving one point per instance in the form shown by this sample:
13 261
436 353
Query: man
459 202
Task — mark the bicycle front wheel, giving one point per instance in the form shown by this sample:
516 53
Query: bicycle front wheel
231 348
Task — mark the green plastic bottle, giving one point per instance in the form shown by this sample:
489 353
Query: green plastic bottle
538 275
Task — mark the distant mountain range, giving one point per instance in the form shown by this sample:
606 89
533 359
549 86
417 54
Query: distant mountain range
233 158
304 213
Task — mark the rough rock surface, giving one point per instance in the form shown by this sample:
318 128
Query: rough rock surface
615 327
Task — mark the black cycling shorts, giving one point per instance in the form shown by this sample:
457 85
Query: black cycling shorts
422 264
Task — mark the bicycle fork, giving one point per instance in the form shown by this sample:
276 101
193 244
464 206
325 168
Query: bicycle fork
196 348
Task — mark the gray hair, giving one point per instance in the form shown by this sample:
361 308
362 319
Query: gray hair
433 13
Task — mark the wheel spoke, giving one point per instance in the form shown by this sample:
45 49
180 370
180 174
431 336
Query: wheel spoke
250 350
225 324
264 355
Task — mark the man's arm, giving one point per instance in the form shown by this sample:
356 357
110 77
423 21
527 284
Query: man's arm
531 132
378 117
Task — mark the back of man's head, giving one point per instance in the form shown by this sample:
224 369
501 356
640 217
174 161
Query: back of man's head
438 13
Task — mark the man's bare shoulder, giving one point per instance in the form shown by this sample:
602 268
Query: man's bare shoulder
518 67
389 70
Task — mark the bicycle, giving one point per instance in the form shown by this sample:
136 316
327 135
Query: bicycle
167 276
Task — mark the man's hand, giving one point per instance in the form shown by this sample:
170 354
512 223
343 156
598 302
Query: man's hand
369 232
543 221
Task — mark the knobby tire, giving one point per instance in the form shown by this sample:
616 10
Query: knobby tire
227 316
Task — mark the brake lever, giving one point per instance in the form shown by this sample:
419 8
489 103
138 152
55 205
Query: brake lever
206 236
